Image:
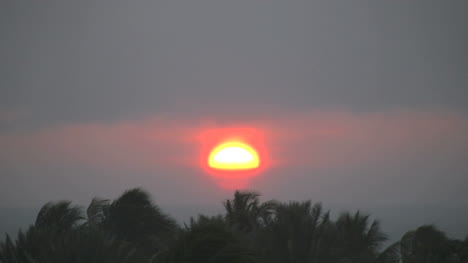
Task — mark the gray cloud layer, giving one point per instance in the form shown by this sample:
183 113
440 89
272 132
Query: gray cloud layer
87 60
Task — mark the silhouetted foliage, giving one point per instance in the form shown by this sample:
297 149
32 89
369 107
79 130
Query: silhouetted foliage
209 239
61 216
428 244
134 218
246 212
133 229
358 239
48 243
297 233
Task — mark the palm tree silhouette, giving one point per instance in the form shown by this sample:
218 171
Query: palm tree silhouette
209 239
297 233
246 212
360 240
57 237
132 228
61 215
429 245
134 218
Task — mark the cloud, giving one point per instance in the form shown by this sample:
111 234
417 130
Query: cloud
333 156
125 144
339 138
313 139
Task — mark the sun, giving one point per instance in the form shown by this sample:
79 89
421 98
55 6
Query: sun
233 156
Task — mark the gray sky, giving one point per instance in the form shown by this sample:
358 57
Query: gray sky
361 103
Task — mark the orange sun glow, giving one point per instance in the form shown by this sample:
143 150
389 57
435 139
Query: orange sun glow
233 156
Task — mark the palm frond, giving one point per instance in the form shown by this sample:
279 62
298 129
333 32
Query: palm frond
97 211
391 254
61 215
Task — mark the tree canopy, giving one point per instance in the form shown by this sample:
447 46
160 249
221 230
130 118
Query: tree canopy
132 228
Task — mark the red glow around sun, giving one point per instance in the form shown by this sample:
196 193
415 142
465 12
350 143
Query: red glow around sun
233 156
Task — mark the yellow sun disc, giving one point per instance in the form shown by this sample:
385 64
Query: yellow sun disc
233 156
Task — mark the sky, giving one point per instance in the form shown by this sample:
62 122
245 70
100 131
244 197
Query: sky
358 105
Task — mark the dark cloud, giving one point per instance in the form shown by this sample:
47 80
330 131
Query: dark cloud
100 61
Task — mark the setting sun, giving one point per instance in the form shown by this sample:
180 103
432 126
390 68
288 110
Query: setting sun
233 156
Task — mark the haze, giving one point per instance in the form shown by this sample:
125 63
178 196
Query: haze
362 104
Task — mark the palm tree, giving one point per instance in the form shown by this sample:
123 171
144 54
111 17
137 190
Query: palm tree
359 240
208 239
79 245
463 252
246 213
97 211
133 218
299 232
132 229
391 254
427 244
60 215
57 236
53 222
